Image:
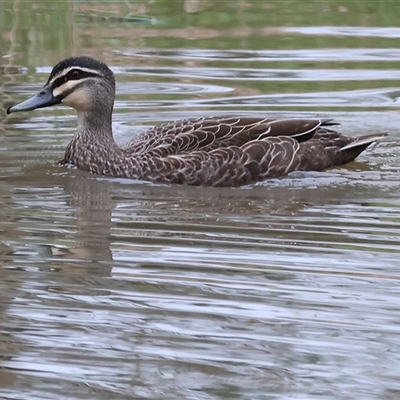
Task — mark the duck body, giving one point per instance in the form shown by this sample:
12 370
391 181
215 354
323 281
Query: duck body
210 151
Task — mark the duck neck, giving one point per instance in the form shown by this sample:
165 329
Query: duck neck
94 127
93 147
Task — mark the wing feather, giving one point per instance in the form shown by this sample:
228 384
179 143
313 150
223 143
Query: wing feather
217 132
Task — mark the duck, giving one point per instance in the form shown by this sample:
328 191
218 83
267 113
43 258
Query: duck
207 151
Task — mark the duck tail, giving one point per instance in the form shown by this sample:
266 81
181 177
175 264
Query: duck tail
362 142
330 149
329 122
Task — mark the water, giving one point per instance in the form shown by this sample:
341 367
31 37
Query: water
114 289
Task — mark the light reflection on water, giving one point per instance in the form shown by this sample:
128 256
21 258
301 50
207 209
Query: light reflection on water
348 31
257 74
114 288
303 55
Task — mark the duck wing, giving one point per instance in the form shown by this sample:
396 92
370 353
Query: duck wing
257 160
208 134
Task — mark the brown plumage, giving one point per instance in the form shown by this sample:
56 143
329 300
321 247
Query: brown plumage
214 151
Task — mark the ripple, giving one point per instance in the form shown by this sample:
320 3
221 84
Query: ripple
170 88
355 98
310 54
360 31
267 74
264 74
115 288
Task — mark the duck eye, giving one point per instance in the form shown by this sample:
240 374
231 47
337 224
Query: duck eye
74 74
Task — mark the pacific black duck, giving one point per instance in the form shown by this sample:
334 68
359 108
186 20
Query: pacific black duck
211 151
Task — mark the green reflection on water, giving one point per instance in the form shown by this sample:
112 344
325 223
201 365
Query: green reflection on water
40 33
36 28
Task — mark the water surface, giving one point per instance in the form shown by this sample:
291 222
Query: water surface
113 288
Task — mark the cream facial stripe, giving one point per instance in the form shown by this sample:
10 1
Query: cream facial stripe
64 88
78 99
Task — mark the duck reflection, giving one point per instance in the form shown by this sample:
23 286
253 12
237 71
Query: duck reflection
110 217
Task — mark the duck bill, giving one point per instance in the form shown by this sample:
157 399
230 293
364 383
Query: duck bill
42 99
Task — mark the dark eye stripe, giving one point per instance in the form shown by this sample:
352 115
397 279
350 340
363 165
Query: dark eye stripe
73 75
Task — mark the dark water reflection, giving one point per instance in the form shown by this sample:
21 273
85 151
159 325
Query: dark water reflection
113 289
